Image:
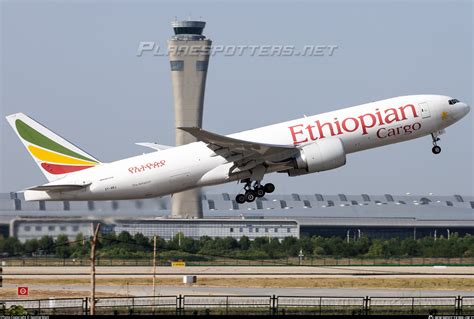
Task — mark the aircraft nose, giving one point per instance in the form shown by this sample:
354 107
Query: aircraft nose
462 109
467 108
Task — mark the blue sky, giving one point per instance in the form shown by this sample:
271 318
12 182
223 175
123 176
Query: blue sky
73 66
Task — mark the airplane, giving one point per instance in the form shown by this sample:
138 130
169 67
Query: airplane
298 147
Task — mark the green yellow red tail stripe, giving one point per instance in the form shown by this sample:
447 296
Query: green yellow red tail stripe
51 157
54 155
34 137
55 158
62 169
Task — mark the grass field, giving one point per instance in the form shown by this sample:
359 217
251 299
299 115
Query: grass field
11 293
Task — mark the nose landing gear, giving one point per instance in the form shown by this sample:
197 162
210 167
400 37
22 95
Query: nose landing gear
254 192
436 149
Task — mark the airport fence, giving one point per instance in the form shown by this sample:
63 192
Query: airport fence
256 304
307 261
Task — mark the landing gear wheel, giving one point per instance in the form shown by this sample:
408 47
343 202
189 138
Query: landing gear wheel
260 191
240 199
250 196
436 149
269 188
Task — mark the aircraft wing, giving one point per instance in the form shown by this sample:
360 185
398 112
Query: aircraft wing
245 154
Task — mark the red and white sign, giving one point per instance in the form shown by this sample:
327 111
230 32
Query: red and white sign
22 291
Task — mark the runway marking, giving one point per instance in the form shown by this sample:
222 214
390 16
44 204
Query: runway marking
247 274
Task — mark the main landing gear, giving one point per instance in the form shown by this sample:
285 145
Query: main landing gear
252 192
436 149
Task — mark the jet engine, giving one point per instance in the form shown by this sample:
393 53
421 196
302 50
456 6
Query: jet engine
321 155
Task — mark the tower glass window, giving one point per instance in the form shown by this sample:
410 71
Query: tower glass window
201 65
188 30
177 65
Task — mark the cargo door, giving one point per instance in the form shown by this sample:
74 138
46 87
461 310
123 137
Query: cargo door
424 110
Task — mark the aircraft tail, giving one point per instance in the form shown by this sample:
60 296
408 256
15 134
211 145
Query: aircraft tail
55 156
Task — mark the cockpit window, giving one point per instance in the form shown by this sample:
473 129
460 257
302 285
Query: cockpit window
453 101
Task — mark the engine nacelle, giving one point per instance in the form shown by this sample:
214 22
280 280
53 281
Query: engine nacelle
319 156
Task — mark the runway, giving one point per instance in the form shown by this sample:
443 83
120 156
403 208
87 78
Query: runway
245 271
350 281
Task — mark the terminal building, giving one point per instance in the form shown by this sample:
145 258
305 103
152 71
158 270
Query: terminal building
274 216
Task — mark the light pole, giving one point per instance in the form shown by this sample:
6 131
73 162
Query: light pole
93 244
154 272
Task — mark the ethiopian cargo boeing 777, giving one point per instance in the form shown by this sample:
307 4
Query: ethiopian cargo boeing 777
303 146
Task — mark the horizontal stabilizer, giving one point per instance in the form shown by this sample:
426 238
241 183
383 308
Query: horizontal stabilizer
155 146
58 188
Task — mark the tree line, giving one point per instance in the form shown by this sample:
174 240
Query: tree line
124 245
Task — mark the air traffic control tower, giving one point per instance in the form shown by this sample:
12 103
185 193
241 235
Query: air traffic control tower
189 58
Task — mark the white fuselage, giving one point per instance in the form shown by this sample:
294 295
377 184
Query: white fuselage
195 165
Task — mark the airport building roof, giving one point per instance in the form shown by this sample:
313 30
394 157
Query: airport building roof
313 214
302 207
